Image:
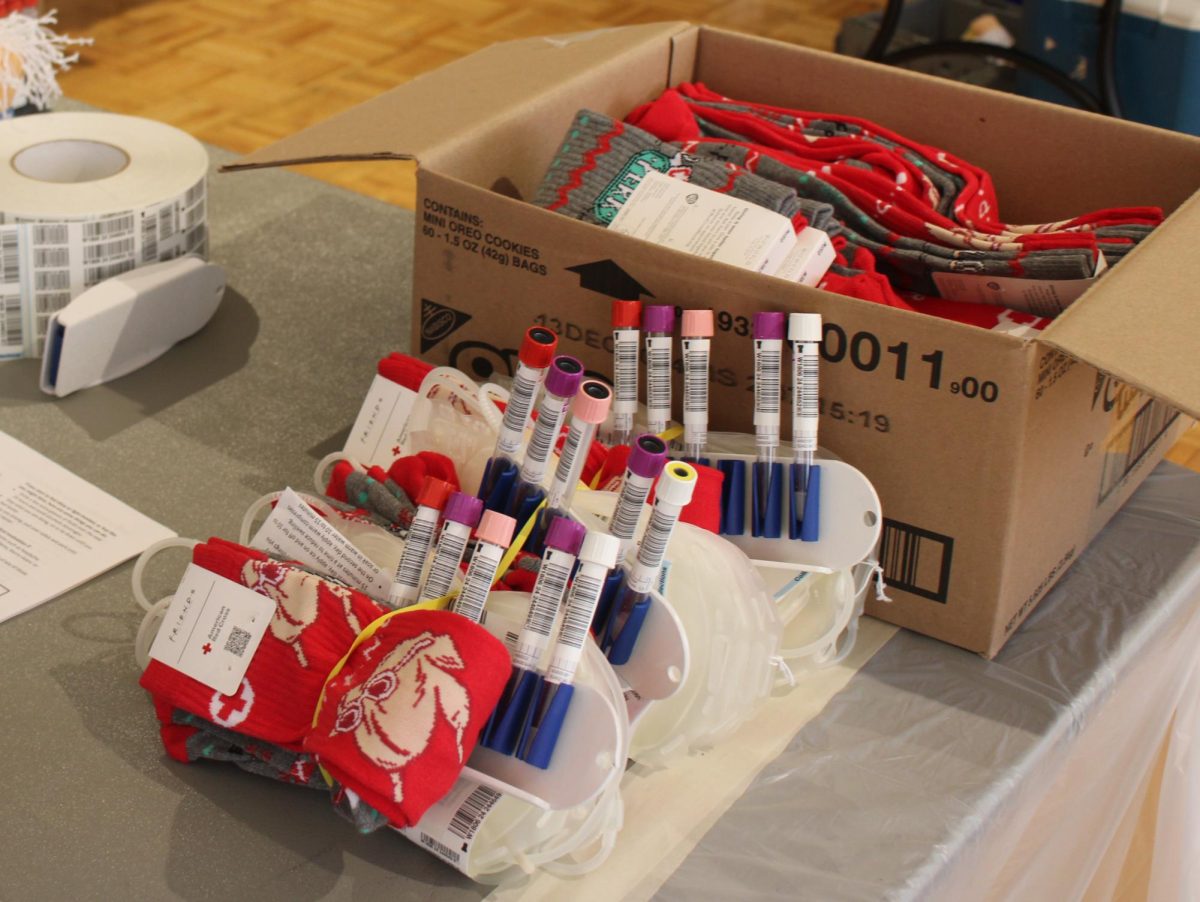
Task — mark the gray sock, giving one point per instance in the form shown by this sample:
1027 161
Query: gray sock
601 160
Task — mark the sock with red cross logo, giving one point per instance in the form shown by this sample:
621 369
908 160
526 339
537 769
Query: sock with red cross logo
315 622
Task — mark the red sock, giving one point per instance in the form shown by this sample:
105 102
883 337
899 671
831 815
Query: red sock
410 472
315 623
613 470
401 719
986 316
520 577
404 370
704 510
594 462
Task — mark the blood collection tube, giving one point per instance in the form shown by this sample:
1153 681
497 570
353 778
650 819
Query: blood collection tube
407 581
499 477
588 410
696 329
647 457
658 321
563 538
804 332
494 534
769 331
626 322
674 493
459 518
562 384
549 707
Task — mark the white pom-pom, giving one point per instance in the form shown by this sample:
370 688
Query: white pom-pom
31 56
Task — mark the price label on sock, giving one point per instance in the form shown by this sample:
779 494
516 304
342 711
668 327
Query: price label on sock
212 628
449 827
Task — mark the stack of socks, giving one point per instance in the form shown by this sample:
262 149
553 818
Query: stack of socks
897 211
395 725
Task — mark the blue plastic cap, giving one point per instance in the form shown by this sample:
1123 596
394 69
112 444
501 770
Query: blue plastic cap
626 639
510 721
767 521
549 712
810 527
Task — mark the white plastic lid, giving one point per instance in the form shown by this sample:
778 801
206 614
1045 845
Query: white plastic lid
677 483
804 327
600 548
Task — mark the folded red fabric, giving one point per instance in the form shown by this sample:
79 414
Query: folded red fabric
314 624
396 723
399 721
404 369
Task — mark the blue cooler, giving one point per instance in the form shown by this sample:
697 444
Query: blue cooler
1157 58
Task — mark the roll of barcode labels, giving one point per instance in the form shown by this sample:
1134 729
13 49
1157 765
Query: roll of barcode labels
83 197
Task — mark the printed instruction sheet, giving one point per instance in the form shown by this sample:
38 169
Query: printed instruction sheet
57 530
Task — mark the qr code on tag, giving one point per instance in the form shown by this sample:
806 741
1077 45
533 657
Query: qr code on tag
237 641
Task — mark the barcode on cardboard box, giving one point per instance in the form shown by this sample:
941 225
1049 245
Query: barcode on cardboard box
1124 450
916 560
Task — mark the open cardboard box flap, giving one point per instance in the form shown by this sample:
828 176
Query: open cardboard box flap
1141 324
1131 324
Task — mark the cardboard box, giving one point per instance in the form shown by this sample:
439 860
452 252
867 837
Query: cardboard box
997 455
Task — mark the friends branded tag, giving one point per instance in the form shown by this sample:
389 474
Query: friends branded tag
212 628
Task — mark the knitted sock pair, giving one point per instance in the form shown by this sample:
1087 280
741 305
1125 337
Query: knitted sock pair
870 176
856 146
898 211
188 738
600 151
396 723
602 159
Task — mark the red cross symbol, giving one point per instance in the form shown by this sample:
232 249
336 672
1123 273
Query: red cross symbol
395 450
231 710
206 648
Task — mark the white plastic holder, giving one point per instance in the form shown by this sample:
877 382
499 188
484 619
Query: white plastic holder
851 523
594 741
660 660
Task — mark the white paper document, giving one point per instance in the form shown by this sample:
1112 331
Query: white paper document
294 531
57 530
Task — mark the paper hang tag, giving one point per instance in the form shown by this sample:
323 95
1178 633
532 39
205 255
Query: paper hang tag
294 531
212 629
1041 297
809 259
380 431
706 223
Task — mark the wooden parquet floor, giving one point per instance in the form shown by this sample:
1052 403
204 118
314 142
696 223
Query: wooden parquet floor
241 74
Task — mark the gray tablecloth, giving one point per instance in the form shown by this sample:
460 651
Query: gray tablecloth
882 795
